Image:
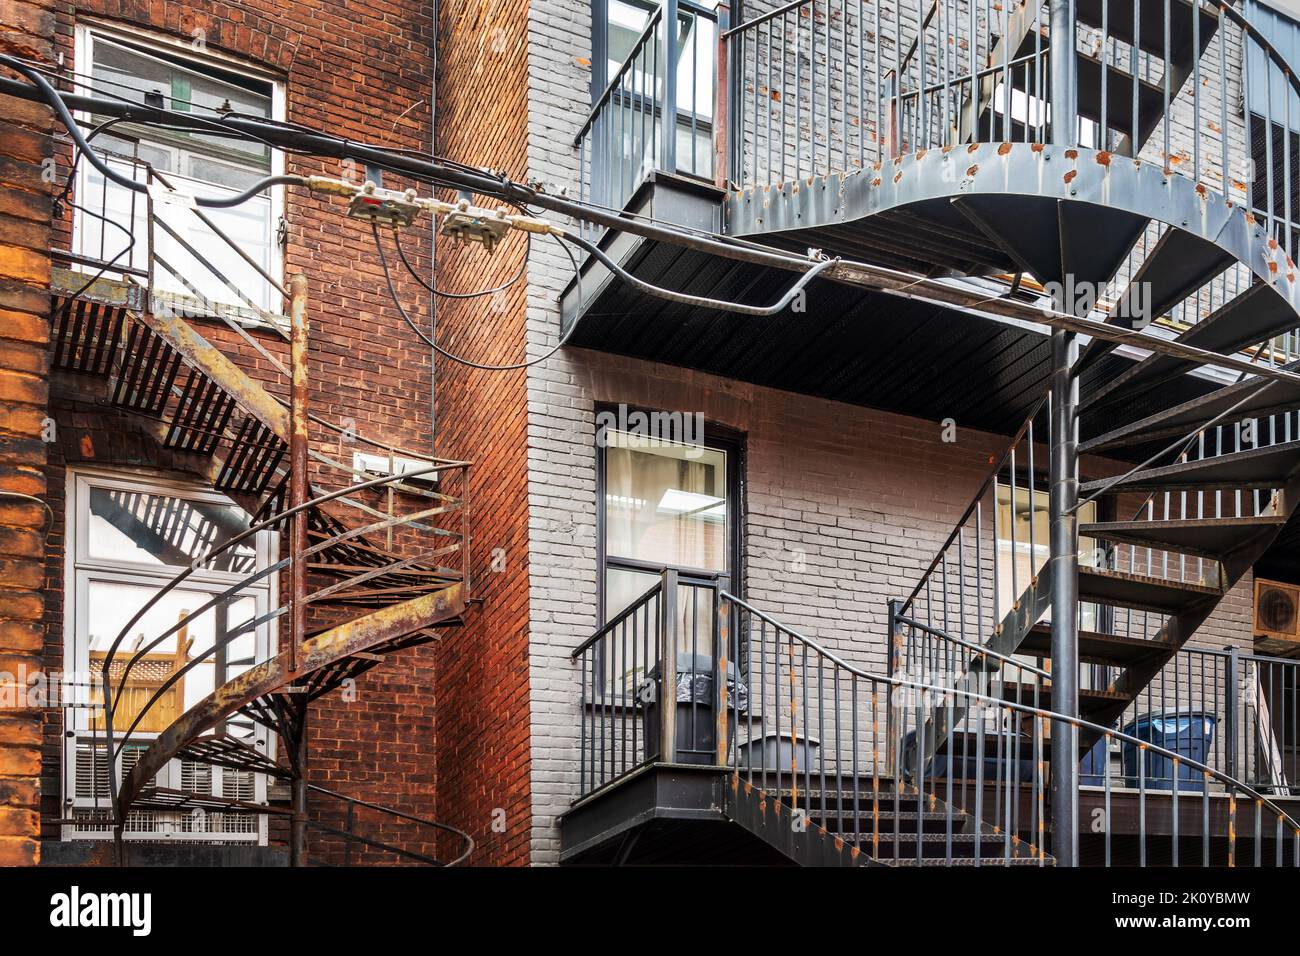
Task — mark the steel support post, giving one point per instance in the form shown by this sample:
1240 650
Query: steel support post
1064 116
298 495
298 794
1063 498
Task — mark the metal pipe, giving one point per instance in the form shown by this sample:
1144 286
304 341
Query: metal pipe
298 485
1064 494
1065 119
298 802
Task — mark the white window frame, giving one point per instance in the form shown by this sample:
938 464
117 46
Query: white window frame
80 571
85 35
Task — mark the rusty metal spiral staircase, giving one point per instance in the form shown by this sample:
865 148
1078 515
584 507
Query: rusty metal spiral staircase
370 564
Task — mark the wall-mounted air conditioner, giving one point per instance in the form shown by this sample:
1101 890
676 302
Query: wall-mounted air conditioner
1277 610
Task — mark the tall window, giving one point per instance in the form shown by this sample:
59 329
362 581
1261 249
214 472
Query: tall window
1024 545
667 504
178 77
127 539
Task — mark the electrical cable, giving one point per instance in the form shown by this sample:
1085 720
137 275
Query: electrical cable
698 301
424 337
55 102
523 267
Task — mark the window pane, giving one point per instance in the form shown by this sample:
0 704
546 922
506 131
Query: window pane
110 605
145 528
1019 560
665 503
143 77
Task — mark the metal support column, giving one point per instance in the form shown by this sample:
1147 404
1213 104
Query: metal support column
1063 498
298 494
298 792
1065 85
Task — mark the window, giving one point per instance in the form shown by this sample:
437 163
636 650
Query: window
668 504
127 538
1024 545
177 77
617 25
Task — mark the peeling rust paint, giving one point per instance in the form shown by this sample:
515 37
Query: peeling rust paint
1103 158
1071 154
1004 148
971 171
1069 177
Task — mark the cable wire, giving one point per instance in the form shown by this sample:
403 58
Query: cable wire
482 367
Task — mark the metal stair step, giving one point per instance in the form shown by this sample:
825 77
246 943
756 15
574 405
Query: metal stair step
1254 399
1150 30
1142 592
165 798
1178 265
223 750
1208 537
1254 316
1095 647
971 861
1091 701
1266 467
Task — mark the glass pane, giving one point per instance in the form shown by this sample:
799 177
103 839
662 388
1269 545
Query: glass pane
248 226
110 605
665 502
146 528
154 79
626 22
1021 557
633 646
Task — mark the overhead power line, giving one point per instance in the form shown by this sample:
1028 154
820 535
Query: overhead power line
441 172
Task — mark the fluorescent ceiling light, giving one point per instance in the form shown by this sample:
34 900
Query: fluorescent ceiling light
676 501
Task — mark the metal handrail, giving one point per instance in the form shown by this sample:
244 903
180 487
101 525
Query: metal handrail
1038 714
622 71
466 840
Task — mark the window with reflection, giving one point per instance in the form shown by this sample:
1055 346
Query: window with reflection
136 68
1024 545
164 650
667 504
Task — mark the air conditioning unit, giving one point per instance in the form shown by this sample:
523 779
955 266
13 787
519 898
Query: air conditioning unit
1277 610
366 466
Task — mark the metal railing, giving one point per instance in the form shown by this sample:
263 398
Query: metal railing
847 750
1236 709
663 646
657 111
382 837
814 738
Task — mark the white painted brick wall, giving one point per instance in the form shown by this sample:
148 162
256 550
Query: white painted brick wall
868 496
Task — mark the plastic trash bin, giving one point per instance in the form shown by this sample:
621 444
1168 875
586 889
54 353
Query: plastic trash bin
696 730
1095 763
1187 733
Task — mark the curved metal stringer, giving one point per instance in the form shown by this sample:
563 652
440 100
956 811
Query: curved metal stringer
275 675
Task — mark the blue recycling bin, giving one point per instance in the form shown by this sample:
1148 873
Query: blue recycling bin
1093 766
1188 734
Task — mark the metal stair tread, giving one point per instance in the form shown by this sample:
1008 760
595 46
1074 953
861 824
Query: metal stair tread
1207 537
1265 467
1095 647
1141 592
167 798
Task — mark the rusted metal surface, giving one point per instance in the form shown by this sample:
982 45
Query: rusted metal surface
201 354
274 674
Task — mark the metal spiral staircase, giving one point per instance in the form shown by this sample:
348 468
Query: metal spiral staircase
370 565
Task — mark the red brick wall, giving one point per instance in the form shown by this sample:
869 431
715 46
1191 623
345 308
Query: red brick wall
362 72
483 710
25 144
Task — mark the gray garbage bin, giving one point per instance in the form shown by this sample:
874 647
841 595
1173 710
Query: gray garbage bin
696 724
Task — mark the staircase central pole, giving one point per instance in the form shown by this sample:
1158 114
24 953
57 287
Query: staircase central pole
298 495
1064 482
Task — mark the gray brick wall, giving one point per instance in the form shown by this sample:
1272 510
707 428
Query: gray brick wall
866 496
